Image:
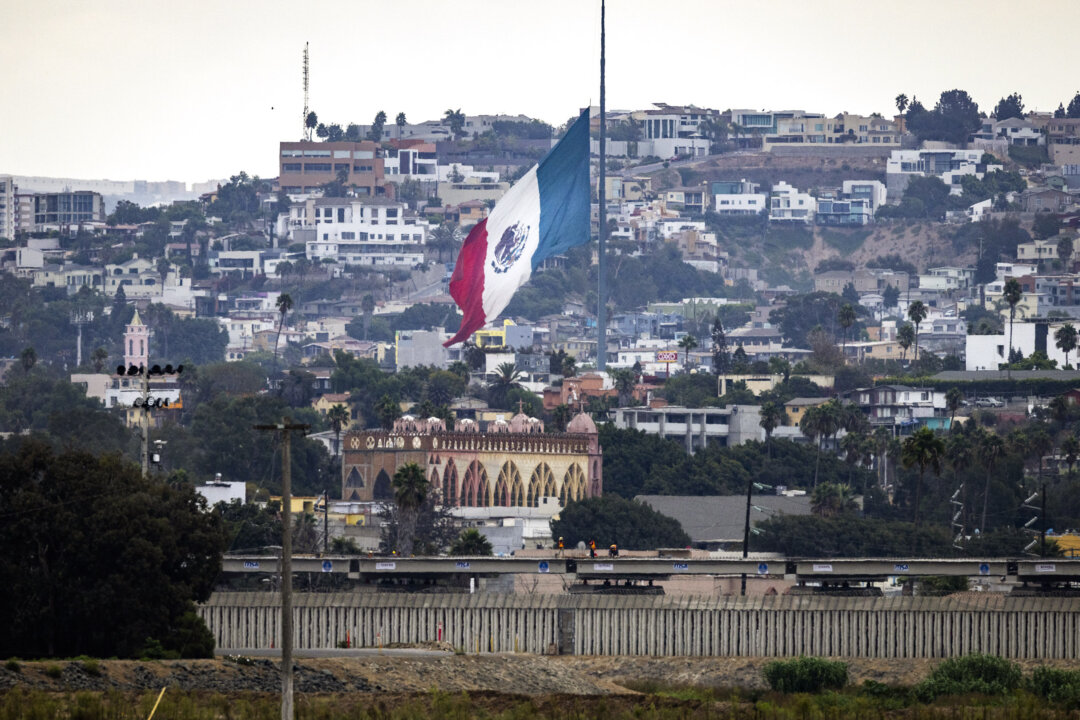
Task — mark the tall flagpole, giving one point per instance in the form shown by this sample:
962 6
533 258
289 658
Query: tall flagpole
601 304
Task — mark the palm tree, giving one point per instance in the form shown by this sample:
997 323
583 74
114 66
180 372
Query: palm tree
1070 450
831 499
410 492
625 380
905 335
959 452
400 122
846 317
687 343
773 415
821 422
1065 339
881 439
28 358
507 377
98 358
991 449
924 449
387 410
901 102
470 543
338 417
1012 295
953 399
284 305
917 313
852 446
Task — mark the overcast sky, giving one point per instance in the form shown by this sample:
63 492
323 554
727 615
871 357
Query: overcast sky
192 90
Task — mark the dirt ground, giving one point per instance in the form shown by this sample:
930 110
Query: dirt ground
530 675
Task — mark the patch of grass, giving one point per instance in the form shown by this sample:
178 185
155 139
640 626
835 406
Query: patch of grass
794 236
805 675
1031 157
54 671
13 665
846 241
91 667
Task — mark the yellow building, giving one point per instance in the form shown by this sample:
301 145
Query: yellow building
797 407
323 403
492 337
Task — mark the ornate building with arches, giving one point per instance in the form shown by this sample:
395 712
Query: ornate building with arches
512 464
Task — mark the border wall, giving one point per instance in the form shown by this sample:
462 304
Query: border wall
904 627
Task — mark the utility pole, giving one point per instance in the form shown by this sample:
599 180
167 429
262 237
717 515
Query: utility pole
325 521
601 263
146 422
284 427
746 533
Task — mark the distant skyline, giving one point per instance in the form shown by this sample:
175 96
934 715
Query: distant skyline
145 89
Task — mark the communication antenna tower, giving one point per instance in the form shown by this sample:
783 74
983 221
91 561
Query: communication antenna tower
305 132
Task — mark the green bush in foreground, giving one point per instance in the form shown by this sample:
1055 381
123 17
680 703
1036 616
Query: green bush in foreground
805 675
984 674
1057 686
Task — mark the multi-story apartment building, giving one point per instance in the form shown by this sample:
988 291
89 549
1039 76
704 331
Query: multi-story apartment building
787 204
305 166
365 232
949 165
732 197
1063 140
7 207
786 128
670 130
68 210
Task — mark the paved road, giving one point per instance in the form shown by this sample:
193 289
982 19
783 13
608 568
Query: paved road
333 652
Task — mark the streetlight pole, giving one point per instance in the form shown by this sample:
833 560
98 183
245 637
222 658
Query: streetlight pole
284 427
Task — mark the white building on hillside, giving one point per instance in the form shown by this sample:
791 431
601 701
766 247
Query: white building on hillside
366 232
787 204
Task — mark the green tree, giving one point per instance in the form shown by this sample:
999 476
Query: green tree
284 304
28 358
922 449
470 543
74 580
1065 339
410 492
688 342
901 103
507 377
846 316
311 122
456 120
610 519
954 398
991 449
905 335
387 411
1065 251
832 499
338 417
721 357
625 381
1012 295
1009 107
376 132
1070 450
1073 111
917 312
400 122
773 415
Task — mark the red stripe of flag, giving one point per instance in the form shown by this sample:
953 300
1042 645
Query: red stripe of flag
467 283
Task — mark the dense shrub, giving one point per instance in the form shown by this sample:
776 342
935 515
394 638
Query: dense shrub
1058 686
985 674
805 674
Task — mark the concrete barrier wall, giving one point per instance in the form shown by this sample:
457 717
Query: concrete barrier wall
627 625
